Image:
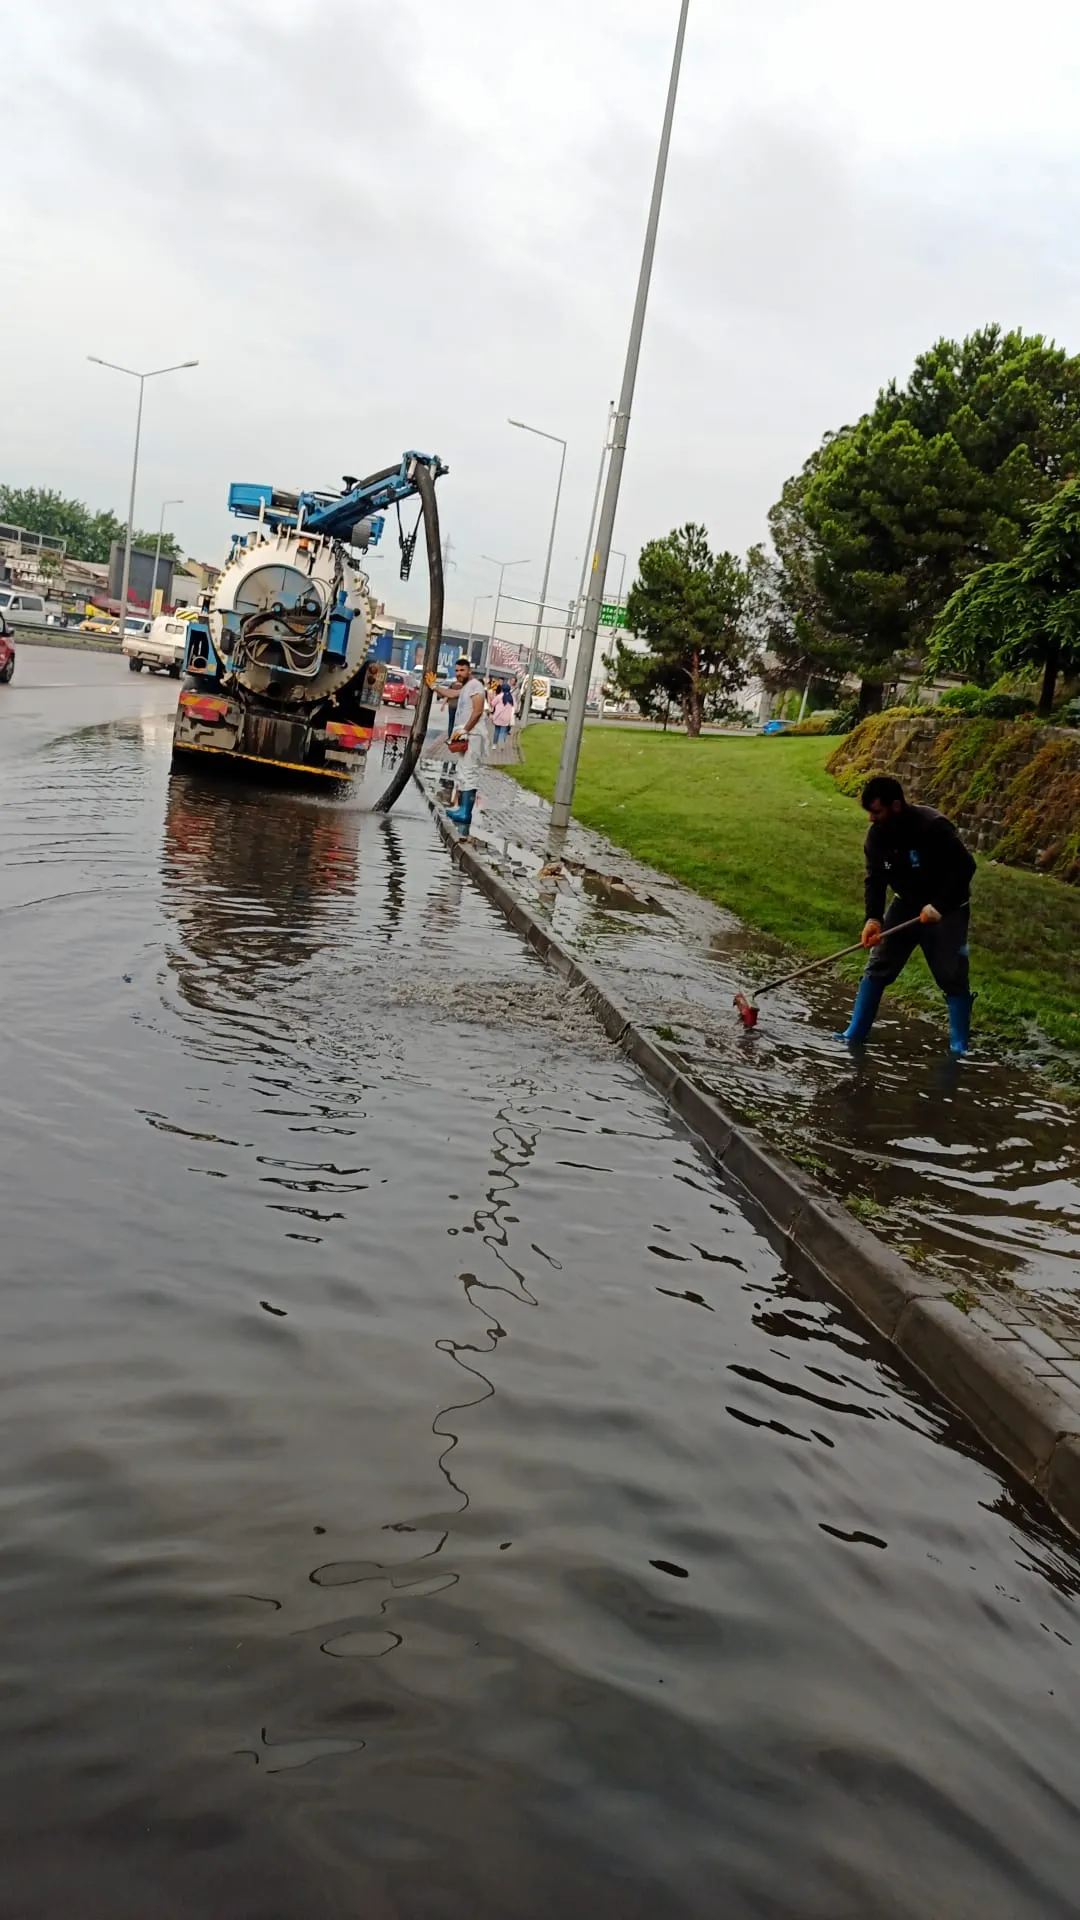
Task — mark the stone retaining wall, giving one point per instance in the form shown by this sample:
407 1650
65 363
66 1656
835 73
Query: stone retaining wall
1011 786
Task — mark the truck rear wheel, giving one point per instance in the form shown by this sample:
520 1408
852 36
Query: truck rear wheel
134 666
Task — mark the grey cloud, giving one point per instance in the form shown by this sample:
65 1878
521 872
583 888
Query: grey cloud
361 263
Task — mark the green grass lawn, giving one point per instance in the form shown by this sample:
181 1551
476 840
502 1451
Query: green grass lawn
758 825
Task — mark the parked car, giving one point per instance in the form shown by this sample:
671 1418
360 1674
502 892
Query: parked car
99 623
27 609
158 644
399 690
775 726
7 650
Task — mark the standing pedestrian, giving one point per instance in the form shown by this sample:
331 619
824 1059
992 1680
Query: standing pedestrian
920 855
503 709
469 741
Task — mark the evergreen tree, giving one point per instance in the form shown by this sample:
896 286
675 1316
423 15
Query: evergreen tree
1023 612
693 610
941 478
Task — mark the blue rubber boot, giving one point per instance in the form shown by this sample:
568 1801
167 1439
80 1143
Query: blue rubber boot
864 1012
959 1005
462 814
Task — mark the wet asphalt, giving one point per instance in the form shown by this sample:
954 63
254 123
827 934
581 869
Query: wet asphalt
424 1493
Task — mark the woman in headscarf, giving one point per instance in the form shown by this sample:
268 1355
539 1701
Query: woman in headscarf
502 712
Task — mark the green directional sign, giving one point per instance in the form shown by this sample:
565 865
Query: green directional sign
612 614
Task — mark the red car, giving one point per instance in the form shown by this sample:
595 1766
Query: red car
399 690
7 650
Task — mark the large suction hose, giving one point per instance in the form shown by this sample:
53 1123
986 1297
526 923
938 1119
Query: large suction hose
425 487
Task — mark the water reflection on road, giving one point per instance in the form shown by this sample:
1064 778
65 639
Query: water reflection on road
424 1492
973 1165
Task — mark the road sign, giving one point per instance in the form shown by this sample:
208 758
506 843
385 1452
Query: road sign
612 614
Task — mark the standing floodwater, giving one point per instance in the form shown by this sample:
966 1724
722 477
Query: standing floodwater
424 1495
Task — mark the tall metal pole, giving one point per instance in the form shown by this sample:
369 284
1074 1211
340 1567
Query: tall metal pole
154 372
502 566
472 617
570 614
157 553
526 698
126 576
579 603
575 725
477 597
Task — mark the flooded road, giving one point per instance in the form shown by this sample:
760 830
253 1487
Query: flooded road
424 1493
971 1166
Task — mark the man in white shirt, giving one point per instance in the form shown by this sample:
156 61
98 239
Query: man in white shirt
468 742
469 730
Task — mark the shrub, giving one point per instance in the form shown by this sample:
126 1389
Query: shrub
1005 706
993 705
1070 714
968 699
844 720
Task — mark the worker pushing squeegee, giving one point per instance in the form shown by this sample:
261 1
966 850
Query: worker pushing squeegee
917 853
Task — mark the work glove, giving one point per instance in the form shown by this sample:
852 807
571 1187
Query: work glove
871 934
929 916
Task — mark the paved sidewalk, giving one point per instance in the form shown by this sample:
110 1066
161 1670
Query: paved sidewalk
969 1169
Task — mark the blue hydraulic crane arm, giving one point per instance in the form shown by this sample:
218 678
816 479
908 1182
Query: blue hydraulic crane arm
336 514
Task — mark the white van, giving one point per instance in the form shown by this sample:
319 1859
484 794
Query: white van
558 700
24 609
158 644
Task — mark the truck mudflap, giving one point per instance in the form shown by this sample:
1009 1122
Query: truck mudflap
347 745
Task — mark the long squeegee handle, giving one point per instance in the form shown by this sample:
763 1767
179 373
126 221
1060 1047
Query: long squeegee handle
904 926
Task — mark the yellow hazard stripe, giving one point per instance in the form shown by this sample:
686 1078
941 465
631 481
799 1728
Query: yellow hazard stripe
229 753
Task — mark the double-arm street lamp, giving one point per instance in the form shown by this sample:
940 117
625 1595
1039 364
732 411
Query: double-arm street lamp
526 701
502 566
154 373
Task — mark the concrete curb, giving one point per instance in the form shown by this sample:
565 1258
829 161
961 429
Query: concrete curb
1027 1422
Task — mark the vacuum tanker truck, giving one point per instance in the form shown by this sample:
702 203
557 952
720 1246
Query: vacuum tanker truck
278 668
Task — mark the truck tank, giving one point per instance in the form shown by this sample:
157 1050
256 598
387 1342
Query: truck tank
278 669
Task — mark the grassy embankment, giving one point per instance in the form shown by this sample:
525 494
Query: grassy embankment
759 826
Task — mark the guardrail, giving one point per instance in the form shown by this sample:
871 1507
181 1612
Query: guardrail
30 634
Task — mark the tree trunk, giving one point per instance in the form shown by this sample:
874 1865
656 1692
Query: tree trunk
693 699
1051 669
871 698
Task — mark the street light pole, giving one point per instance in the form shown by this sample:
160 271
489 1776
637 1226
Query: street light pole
575 724
502 566
157 553
579 603
526 701
142 378
472 617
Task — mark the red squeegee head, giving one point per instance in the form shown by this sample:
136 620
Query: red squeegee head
747 1011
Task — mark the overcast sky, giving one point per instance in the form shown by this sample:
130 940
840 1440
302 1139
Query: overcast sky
390 226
